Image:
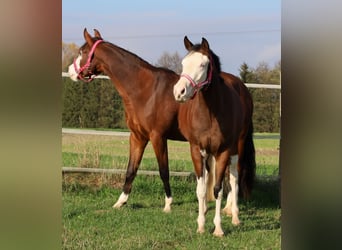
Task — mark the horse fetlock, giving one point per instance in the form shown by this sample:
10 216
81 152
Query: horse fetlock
168 202
121 201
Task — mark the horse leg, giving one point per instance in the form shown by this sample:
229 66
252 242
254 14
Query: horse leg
220 168
199 158
228 208
136 149
160 148
211 178
233 180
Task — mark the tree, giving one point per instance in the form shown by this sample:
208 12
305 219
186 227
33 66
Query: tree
69 52
266 101
172 62
246 74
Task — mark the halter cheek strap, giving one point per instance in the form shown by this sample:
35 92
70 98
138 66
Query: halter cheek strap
198 86
87 64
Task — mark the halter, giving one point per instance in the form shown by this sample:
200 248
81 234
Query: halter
87 65
198 86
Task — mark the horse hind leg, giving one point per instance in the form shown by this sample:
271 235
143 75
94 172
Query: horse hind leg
233 196
211 178
160 148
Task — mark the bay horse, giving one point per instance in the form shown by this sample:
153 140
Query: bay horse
150 109
211 118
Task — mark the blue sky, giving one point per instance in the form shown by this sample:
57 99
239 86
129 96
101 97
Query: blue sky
237 31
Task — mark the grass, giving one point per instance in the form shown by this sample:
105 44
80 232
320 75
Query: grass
112 152
90 222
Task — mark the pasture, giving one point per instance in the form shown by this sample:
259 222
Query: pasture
90 222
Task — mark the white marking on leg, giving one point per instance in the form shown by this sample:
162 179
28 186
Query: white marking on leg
228 208
217 219
121 201
168 202
233 180
201 193
204 154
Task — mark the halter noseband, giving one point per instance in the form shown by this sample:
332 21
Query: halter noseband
87 65
198 86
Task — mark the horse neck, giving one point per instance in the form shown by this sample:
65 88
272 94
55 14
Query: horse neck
208 96
124 69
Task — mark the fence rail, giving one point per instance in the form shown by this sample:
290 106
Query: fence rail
249 85
121 171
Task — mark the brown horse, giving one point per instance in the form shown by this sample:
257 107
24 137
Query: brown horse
246 163
211 118
150 109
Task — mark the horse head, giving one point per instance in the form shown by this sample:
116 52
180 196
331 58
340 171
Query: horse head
196 70
85 66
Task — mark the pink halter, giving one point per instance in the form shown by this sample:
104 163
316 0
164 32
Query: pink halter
87 65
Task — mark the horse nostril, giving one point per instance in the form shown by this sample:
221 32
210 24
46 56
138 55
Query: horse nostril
183 91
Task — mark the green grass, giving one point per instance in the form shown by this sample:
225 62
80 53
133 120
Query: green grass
89 222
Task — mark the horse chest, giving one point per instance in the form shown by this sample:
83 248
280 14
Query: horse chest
204 131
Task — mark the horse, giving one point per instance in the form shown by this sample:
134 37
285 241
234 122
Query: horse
211 118
150 109
246 163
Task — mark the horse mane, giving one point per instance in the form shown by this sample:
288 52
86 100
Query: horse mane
214 57
135 57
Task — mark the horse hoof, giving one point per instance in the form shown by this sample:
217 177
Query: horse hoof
235 222
118 205
218 233
200 230
167 210
227 211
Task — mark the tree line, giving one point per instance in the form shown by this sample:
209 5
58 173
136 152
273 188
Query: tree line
98 105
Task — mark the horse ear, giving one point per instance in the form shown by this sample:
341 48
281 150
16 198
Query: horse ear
205 44
188 45
97 34
87 37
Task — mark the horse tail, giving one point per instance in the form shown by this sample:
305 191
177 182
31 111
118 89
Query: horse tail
211 178
247 164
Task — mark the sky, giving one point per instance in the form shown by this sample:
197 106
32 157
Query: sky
237 31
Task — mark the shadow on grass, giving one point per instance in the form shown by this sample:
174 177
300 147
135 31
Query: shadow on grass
266 193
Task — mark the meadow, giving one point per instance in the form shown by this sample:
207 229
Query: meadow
90 222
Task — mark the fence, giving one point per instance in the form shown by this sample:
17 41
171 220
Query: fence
116 171
249 85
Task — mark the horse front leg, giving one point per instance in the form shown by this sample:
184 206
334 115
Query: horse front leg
220 168
137 146
199 158
159 144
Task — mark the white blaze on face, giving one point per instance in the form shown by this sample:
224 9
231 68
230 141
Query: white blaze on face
72 71
195 66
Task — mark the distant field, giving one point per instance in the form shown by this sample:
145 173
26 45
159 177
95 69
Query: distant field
102 151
